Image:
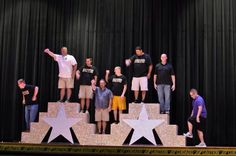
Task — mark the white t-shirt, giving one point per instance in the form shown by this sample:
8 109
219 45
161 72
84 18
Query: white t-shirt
65 64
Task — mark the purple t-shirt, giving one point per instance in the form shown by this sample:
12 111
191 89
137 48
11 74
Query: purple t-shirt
199 102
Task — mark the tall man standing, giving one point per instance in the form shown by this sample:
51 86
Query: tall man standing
29 100
118 84
141 73
197 118
86 74
67 68
164 82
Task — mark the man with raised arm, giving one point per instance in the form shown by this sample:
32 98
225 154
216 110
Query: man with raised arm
103 102
67 68
118 85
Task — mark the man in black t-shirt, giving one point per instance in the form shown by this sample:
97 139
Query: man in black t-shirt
86 74
29 100
118 86
142 72
164 82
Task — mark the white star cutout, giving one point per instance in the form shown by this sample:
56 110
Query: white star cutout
61 125
143 126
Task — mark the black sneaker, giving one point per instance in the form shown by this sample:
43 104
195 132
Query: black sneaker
136 101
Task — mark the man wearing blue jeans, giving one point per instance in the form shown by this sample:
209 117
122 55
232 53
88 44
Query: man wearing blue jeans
164 82
29 96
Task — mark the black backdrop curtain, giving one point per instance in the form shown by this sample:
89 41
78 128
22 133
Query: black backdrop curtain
198 36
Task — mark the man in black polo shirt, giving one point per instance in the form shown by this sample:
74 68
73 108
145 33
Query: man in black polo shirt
118 85
141 73
29 96
164 82
86 74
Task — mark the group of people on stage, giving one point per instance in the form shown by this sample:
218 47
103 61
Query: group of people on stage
113 97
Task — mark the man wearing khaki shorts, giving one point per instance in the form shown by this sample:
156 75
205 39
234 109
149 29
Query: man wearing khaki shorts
142 69
85 74
103 101
67 67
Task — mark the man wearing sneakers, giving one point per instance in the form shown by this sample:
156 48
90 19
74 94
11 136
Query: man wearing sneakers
118 85
197 118
141 72
164 82
86 74
67 68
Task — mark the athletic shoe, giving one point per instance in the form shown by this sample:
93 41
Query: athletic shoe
135 101
167 112
86 111
142 103
60 101
202 144
188 135
67 101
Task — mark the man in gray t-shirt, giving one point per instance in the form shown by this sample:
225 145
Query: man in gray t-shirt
103 101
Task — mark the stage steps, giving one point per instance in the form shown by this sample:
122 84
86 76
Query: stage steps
86 132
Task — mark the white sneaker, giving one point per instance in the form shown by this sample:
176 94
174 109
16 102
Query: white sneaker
202 144
86 111
188 135
142 103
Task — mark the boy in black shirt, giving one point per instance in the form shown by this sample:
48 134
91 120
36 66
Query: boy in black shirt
164 82
141 73
86 74
29 94
118 83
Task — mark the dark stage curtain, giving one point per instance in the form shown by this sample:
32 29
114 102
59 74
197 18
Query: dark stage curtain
198 36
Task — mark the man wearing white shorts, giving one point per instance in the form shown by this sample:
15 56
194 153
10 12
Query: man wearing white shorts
86 74
67 68
141 72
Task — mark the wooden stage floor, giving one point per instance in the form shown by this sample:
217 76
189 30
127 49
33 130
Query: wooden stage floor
67 149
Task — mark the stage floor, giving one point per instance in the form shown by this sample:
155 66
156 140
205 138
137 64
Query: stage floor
67 149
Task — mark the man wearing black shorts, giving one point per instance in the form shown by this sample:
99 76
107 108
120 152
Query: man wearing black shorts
197 118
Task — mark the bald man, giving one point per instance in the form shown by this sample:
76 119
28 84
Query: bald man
118 84
164 82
